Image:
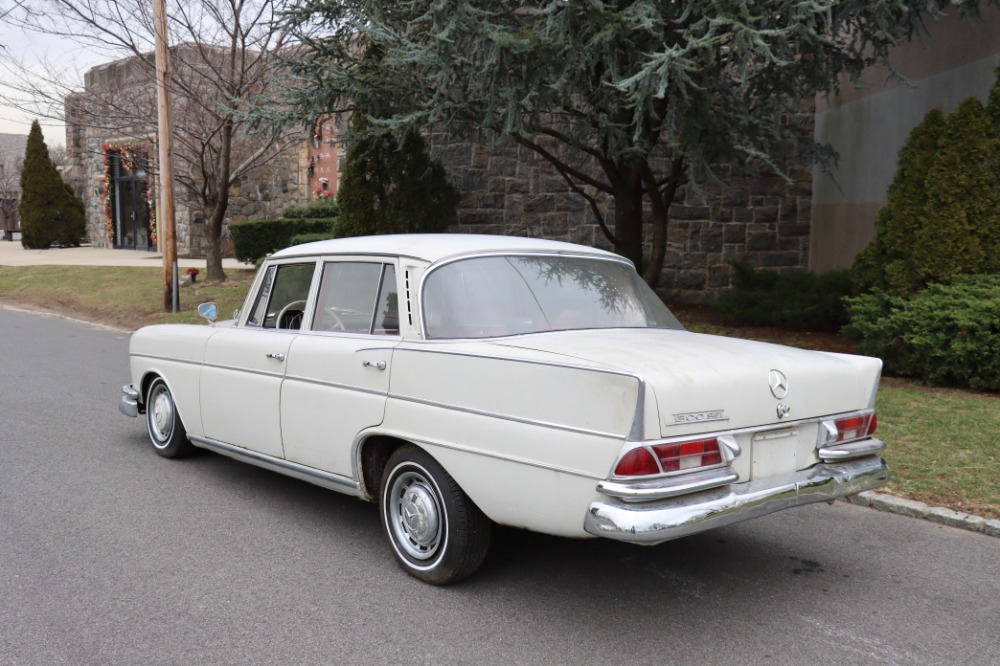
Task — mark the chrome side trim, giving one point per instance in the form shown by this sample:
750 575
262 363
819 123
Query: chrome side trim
165 358
504 417
311 474
431 444
129 404
344 387
662 488
433 347
654 523
851 450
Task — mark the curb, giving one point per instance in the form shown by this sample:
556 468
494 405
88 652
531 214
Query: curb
942 516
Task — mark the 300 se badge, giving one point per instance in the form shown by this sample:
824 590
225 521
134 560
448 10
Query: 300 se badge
462 382
699 417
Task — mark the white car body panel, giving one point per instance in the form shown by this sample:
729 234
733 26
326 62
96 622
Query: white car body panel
241 388
330 396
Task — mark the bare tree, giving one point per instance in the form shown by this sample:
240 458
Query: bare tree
223 62
11 158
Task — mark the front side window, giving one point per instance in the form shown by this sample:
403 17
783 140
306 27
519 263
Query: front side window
511 295
282 297
356 297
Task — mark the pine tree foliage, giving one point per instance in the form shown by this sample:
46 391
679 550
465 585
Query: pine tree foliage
960 193
391 187
626 99
50 212
991 234
887 262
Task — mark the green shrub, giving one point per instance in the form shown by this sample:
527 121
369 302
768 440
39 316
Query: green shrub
255 239
320 209
946 334
795 299
299 239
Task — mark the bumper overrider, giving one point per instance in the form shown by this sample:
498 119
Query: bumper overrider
674 517
129 404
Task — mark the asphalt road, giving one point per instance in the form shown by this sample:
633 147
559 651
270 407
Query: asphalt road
112 555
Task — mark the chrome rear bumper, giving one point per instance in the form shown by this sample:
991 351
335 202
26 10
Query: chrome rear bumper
655 522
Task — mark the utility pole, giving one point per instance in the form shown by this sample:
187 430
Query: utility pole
171 299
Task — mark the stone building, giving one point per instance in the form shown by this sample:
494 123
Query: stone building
111 156
11 157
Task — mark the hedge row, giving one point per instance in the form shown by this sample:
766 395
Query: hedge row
254 240
794 299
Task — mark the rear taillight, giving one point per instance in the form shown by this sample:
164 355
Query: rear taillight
854 427
663 458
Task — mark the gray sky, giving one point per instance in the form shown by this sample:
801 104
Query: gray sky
33 50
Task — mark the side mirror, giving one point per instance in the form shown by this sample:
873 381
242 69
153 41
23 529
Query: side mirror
209 311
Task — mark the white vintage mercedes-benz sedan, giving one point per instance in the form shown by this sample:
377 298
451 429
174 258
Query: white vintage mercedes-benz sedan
463 381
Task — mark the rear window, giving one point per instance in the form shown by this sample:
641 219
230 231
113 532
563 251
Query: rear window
486 297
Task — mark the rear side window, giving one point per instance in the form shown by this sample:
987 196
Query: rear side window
357 297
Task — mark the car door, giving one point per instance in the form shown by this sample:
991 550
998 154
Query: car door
337 375
245 364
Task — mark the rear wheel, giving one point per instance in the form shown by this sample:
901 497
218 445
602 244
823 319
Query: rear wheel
166 432
437 534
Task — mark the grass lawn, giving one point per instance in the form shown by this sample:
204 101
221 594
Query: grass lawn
124 297
943 444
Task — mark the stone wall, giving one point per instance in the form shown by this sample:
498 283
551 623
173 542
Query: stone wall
763 221
261 192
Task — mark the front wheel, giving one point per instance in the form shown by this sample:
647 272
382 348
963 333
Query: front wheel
437 534
166 432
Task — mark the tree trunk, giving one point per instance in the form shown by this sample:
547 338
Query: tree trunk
213 258
661 202
217 212
628 193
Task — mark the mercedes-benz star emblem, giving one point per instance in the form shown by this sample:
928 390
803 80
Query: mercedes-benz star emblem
779 384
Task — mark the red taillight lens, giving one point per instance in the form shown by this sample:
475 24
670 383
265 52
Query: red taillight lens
672 458
637 462
855 427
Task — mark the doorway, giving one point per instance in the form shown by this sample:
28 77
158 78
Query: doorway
129 205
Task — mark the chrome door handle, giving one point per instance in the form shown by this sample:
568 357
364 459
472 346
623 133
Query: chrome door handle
276 356
373 364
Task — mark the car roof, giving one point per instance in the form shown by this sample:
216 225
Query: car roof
433 247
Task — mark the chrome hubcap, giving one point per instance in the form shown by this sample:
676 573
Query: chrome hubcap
415 515
161 416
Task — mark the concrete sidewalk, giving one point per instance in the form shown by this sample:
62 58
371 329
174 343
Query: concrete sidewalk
12 254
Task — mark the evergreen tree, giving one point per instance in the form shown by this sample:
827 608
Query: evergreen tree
887 262
991 234
388 187
50 212
961 194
